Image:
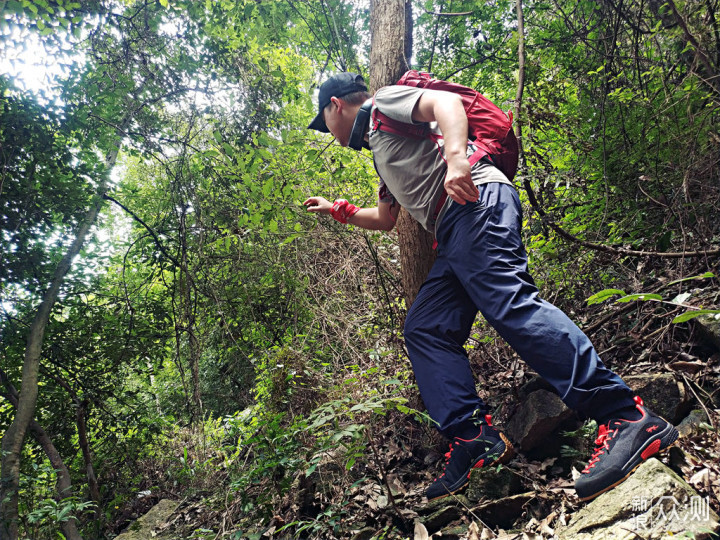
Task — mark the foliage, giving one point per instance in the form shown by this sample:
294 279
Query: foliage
218 335
46 188
53 512
678 301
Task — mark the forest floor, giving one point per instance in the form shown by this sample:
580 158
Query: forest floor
382 495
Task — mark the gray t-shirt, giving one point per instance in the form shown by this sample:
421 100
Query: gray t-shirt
412 172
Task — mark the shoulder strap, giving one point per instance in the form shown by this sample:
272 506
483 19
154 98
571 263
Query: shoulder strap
384 123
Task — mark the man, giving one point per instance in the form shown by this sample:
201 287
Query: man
481 266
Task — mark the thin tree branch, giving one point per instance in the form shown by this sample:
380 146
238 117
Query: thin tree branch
147 227
458 14
520 85
712 73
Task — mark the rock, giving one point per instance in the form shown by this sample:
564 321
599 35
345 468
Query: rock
492 483
661 394
503 513
691 423
142 528
460 532
538 415
459 500
534 383
653 503
498 512
708 327
364 534
447 514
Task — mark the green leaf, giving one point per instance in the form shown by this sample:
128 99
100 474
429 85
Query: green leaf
639 296
696 313
64 513
706 275
603 295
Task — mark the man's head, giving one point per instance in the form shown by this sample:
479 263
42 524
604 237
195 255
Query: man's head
339 99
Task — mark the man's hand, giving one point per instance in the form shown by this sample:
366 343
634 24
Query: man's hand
318 204
458 180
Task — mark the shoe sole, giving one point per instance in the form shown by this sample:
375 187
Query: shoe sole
671 437
507 454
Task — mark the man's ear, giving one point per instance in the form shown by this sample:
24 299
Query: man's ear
336 101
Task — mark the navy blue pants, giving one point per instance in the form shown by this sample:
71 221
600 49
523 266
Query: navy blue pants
482 266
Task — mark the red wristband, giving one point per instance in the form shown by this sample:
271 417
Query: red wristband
342 210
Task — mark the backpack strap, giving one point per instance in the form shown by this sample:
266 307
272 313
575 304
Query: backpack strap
383 122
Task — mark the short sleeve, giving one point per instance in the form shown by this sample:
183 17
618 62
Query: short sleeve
398 102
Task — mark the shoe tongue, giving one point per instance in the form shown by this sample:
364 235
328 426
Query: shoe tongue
602 430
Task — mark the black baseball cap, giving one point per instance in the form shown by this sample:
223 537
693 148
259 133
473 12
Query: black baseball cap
339 85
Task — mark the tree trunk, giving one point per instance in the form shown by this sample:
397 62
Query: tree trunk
63 484
188 311
390 50
521 82
12 441
81 421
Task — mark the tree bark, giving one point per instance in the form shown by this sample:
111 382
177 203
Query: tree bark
390 51
63 483
93 486
12 441
521 81
522 164
188 312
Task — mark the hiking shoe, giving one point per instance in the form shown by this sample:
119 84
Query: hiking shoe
488 448
621 446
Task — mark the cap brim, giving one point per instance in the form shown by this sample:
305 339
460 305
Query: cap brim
318 124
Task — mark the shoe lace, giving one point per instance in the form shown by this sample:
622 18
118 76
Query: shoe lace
448 454
601 444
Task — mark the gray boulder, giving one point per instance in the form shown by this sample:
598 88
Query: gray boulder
538 415
662 394
708 327
653 503
143 528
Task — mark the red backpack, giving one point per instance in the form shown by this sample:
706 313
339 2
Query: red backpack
490 129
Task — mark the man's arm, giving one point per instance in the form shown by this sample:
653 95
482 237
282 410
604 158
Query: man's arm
447 110
380 218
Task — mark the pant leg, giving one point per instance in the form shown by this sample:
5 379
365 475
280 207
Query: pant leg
483 246
436 328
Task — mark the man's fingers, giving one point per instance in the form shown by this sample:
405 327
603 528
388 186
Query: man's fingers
461 192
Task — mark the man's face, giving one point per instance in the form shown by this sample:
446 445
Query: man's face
336 122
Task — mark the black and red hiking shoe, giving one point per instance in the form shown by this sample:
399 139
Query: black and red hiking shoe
488 448
621 446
